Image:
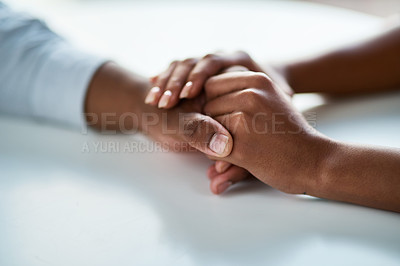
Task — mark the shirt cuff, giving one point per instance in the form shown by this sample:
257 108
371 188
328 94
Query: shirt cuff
60 88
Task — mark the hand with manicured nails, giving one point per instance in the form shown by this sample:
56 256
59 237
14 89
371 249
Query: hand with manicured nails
186 79
186 125
114 90
272 140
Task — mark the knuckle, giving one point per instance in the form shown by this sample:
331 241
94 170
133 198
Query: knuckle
239 123
162 80
174 84
243 54
164 76
190 61
173 63
236 68
210 57
251 95
238 117
261 79
194 128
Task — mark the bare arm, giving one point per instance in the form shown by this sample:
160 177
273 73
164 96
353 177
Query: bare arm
367 67
368 176
278 146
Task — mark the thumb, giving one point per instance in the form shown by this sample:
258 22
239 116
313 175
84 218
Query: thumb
206 135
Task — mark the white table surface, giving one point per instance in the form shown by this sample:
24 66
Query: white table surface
62 206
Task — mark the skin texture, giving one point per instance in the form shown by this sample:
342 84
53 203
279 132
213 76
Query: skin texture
115 102
274 142
366 67
197 71
276 145
370 66
185 79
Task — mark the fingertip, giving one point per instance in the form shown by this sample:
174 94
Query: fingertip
221 166
219 185
214 187
207 135
174 100
214 191
211 172
221 144
165 99
195 89
221 188
153 96
186 90
221 182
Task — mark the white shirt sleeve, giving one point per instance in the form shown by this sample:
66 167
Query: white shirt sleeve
41 75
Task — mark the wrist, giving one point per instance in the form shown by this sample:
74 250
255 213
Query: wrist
324 154
114 99
279 75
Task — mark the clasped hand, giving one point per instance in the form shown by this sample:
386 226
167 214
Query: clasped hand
272 141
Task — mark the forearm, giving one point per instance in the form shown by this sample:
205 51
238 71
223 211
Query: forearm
367 67
361 175
114 99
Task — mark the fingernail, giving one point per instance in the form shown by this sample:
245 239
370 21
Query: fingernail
152 95
221 166
185 91
223 186
164 99
218 143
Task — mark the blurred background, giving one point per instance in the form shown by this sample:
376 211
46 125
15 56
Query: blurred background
374 7
145 35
